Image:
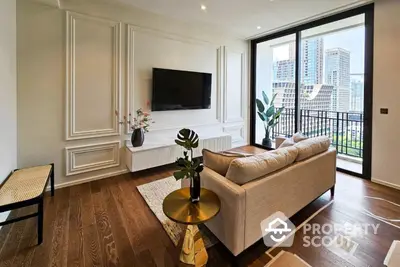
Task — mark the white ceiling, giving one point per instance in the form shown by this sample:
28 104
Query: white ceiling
241 17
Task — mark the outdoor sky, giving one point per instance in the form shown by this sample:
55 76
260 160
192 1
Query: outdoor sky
351 40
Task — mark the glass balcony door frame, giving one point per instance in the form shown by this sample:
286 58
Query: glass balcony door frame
368 11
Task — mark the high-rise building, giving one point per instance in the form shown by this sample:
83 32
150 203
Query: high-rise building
313 99
284 70
292 50
343 99
357 96
337 73
312 61
312 58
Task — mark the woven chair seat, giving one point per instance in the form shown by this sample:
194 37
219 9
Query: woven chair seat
24 184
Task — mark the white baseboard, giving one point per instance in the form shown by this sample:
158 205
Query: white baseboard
388 184
89 179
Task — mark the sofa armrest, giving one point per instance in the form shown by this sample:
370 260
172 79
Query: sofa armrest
229 224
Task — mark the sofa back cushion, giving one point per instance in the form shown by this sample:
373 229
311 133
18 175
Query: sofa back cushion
244 170
298 137
311 147
288 142
219 161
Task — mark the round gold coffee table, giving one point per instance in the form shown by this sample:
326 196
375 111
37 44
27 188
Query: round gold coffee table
178 207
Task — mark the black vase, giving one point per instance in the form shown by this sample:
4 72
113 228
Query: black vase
137 137
267 142
195 188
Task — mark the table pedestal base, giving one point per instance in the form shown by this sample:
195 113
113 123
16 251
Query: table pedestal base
193 249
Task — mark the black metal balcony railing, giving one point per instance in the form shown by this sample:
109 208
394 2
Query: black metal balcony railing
345 129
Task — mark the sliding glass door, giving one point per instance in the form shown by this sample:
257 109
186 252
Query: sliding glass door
317 79
275 89
332 87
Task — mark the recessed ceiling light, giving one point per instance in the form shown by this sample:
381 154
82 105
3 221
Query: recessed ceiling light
258 27
203 7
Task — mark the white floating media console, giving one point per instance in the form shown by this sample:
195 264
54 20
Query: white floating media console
161 150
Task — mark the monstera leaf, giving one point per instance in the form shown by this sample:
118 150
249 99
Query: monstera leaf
188 139
188 166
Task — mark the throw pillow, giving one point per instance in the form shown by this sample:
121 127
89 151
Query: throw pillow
288 142
219 162
312 147
244 170
299 136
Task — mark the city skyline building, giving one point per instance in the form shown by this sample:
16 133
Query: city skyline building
284 70
313 99
337 73
357 96
312 62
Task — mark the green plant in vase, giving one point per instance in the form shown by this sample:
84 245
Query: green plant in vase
140 125
269 115
189 167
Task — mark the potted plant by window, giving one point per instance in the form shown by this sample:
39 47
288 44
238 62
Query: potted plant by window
269 115
141 124
189 167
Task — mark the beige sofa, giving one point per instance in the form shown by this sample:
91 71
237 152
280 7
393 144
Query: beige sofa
289 189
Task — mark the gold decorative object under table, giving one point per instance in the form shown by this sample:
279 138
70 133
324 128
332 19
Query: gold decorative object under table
178 207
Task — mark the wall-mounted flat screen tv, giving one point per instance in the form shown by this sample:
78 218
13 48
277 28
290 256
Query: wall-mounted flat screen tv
176 89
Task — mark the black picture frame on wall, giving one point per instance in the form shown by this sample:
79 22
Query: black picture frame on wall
368 11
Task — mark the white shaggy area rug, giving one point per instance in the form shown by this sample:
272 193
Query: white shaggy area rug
154 194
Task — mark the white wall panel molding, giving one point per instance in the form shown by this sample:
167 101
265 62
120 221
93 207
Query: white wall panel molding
172 51
130 77
88 158
237 133
234 86
171 36
220 82
93 77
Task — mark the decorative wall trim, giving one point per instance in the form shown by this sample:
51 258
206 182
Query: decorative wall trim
71 132
220 81
130 76
171 36
226 118
89 179
232 129
71 153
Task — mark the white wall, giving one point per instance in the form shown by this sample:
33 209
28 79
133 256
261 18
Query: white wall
76 69
386 128
8 90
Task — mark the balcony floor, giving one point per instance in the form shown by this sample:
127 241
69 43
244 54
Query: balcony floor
349 165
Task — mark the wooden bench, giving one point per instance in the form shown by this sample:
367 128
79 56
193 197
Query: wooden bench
26 187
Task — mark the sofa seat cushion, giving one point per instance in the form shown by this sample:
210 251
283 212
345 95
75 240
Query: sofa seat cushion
311 147
244 170
219 161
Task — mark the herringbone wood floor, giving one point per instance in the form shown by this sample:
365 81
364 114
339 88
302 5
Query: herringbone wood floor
107 223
